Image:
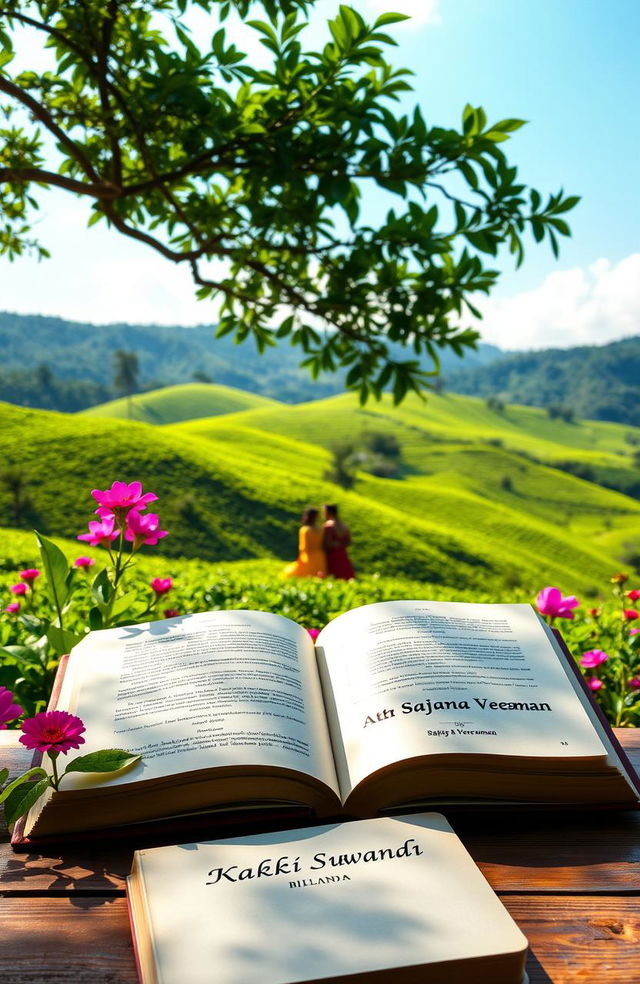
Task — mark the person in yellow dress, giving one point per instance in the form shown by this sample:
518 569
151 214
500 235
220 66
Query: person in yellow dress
312 560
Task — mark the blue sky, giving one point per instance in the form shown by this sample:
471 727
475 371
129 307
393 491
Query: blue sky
569 67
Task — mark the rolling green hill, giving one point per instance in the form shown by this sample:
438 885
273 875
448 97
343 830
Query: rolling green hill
187 401
476 507
597 381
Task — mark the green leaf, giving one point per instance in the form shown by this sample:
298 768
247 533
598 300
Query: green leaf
4 775
390 18
95 619
22 799
107 760
123 603
62 640
6 792
102 590
56 569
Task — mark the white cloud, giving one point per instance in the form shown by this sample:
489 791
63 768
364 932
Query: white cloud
420 11
581 306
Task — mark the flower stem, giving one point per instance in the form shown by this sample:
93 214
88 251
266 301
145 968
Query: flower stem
55 780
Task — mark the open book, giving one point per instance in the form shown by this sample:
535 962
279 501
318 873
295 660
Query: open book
399 704
377 900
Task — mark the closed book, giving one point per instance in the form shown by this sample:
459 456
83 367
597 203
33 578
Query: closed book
392 899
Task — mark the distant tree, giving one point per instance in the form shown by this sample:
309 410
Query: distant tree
201 377
125 376
16 483
495 404
556 411
44 378
342 470
384 443
203 156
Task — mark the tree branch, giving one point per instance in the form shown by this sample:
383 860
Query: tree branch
102 190
48 121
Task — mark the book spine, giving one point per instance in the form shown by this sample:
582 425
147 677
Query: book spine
136 952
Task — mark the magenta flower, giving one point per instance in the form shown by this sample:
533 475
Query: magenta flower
551 602
629 614
143 528
13 607
101 534
633 631
120 498
84 562
53 731
593 683
634 683
161 585
314 633
18 589
171 613
8 710
594 657
633 595
30 574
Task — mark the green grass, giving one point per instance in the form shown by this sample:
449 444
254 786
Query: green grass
447 418
471 511
184 402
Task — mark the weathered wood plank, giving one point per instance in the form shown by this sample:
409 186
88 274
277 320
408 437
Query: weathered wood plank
579 940
572 940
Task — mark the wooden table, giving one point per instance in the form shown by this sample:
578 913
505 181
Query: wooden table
571 882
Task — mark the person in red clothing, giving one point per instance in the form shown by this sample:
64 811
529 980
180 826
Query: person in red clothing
336 539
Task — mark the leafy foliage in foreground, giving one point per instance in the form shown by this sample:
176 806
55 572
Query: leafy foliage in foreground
202 156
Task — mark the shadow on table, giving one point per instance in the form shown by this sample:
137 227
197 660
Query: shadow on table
88 881
535 970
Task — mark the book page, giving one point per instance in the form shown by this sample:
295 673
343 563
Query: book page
423 678
224 688
323 903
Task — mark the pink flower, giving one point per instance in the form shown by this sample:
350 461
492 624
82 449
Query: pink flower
634 682
594 657
593 683
101 534
53 731
8 710
161 585
84 562
18 589
171 613
633 631
121 498
550 602
629 614
30 574
633 595
143 529
314 633
13 607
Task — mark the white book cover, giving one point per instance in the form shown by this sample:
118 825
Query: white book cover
318 904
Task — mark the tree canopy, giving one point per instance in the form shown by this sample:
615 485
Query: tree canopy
256 177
